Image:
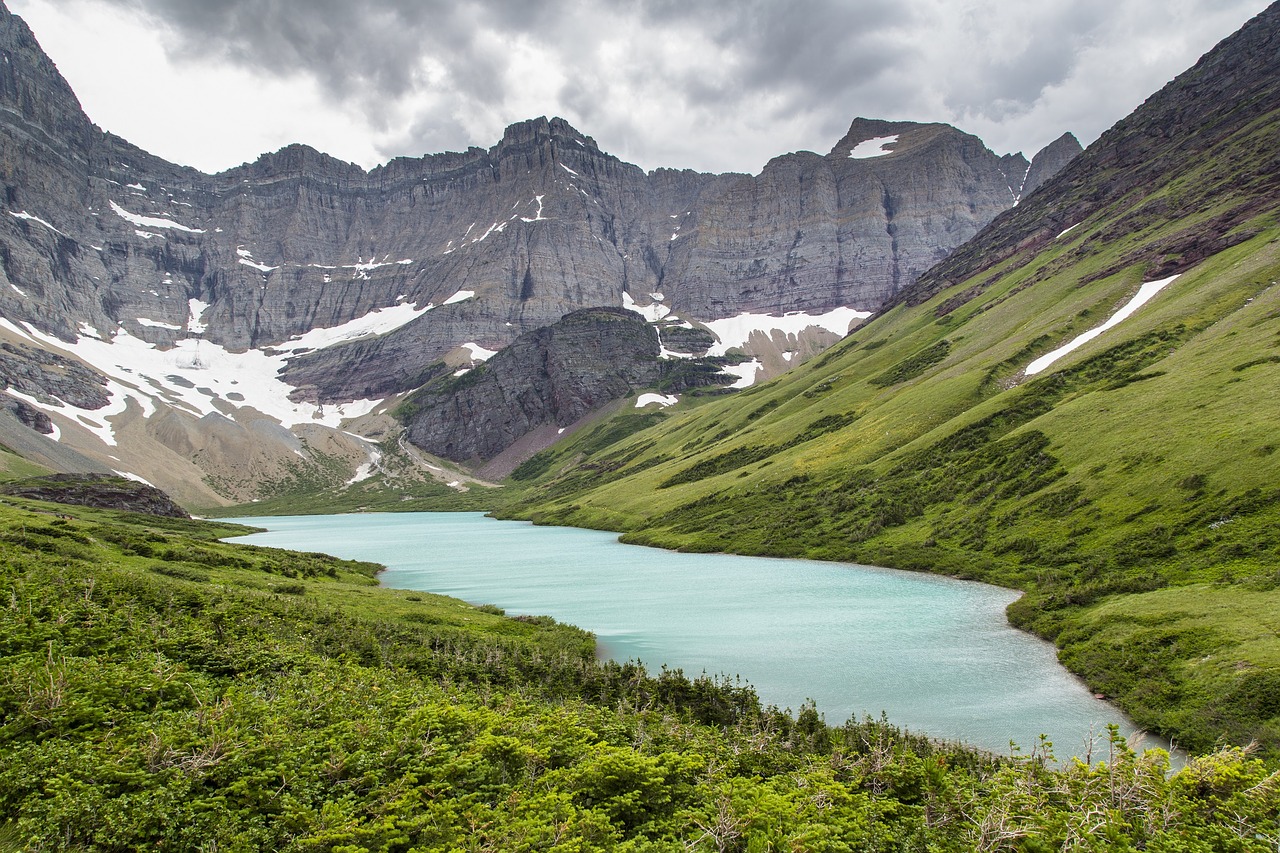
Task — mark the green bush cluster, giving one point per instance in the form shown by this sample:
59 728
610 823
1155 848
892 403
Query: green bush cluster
158 711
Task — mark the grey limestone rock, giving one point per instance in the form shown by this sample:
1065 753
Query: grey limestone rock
48 376
551 376
1051 160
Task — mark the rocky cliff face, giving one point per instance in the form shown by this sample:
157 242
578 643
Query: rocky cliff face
552 376
332 285
1049 161
99 492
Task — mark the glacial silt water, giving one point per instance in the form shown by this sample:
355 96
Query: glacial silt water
935 654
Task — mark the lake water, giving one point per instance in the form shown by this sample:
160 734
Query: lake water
934 653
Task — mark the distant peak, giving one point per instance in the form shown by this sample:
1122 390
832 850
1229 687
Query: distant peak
297 158
894 137
542 129
1050 160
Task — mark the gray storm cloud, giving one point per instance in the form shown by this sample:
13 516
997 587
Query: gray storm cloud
651 75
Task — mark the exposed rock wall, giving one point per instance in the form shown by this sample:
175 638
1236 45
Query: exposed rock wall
552 376
96 490
1049 161
104 236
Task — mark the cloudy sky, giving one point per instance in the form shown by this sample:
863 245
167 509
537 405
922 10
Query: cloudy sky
714 85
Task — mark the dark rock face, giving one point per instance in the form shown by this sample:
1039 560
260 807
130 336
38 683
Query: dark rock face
1050 160
552 376
102 492
99 233
41 374
27 415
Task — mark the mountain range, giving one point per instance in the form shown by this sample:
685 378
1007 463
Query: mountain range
243 331
1080 402
1066 380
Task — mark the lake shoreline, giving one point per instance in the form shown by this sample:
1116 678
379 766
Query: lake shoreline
775 638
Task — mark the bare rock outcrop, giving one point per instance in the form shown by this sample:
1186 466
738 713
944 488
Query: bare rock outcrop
99 491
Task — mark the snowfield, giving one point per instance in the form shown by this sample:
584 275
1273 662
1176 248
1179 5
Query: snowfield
202 377
1139 299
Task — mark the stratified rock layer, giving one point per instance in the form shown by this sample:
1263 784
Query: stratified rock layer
551 376
102 236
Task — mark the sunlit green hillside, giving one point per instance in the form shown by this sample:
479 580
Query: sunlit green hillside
163 690
1132 487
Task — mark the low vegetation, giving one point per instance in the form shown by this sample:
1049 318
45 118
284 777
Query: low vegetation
166 690
1130 490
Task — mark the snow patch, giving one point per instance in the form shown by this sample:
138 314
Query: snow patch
735 331
653 313
460 296
22 214
877 147
376 322
746 373
1067 231
197 309
156 324
1139 299
257 266
479 353
367 469
567 169
151 221
195 375
660 399
537 217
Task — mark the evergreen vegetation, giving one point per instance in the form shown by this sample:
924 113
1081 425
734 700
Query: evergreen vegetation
164 690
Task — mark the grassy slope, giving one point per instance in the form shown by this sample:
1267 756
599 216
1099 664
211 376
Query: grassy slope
14 467
1131 489
164 690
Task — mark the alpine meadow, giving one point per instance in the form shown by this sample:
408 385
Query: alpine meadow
1059 375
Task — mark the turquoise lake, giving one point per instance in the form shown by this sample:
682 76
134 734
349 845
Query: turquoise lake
935 654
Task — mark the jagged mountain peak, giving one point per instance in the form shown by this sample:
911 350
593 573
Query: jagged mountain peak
1048 161
295 158
869 138
345 286
32 86
542 129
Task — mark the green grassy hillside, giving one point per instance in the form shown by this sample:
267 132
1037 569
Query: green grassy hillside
163 690
1142 464
1132 489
